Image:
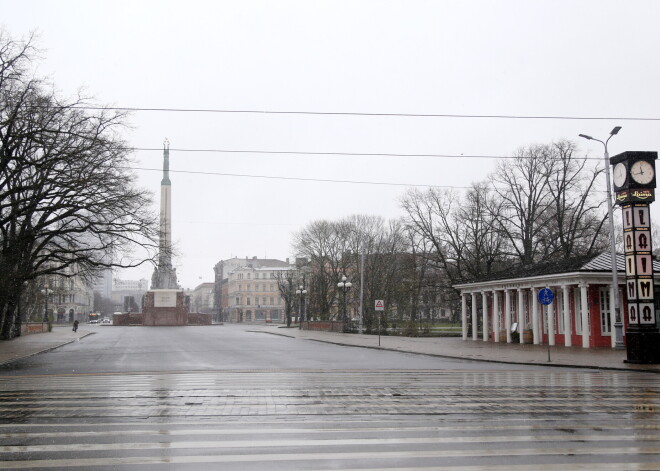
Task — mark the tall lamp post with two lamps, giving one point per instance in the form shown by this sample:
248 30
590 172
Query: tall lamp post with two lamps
618 326
301 291
46 292
344 286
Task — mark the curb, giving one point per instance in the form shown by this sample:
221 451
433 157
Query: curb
31 354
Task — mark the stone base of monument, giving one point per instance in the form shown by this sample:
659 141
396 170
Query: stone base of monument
164 307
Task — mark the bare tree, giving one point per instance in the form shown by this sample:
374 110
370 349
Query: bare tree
576 220
546 203
286 287
68 201
461 229
521 184
484 246
323 244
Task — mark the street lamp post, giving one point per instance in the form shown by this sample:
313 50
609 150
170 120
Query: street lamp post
301 291
46 293
344 286
618 326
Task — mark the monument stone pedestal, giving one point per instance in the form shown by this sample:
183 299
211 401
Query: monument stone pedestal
165 307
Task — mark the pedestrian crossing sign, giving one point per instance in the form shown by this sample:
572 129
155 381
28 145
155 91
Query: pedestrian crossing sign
380 305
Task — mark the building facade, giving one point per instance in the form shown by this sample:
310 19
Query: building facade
103 284
582 312
201 298
128 294
246 290
69 297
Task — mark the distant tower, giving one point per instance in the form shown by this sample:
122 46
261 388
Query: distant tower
164 276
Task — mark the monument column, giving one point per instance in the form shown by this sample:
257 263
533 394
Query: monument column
164 276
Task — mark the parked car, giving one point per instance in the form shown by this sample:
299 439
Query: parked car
106 321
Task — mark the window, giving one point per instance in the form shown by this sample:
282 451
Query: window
605 311
577 302
249 275
272 300
263 300
248 301
238 300
560 311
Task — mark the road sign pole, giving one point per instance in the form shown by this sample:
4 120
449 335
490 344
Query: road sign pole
380 316
545 297
548 342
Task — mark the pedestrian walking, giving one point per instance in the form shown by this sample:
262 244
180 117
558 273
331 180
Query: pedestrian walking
75 325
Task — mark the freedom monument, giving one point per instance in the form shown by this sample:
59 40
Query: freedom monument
164 303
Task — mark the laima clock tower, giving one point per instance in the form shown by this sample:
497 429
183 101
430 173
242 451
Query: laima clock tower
634 184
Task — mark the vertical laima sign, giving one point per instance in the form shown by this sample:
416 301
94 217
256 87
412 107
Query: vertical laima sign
634 183
639 264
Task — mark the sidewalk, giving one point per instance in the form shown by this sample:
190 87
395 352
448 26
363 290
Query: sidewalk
455 347
28 345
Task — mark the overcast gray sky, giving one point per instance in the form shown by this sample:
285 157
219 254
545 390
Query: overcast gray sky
596 59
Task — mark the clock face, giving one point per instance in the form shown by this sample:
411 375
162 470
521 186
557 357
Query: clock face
619 174
642 172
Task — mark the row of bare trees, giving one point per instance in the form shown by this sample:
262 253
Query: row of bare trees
541 204
384 254
68 203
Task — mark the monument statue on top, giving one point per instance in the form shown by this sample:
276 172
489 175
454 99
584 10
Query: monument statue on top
164 276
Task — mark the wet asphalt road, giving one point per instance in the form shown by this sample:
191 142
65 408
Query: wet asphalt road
223 397
220 347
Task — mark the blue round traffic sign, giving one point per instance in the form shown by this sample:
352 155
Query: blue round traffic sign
546 296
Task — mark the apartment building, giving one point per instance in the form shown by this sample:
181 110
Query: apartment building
70 297
252 293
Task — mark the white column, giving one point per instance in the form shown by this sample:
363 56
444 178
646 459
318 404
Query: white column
521 314
484 309
536 331
612 315
464 315
585 315
507 314
496 316
474 316
567 316
551 323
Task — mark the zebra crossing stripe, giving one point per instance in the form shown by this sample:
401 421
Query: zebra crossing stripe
316 457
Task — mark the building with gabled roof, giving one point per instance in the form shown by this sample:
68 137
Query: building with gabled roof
504 306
